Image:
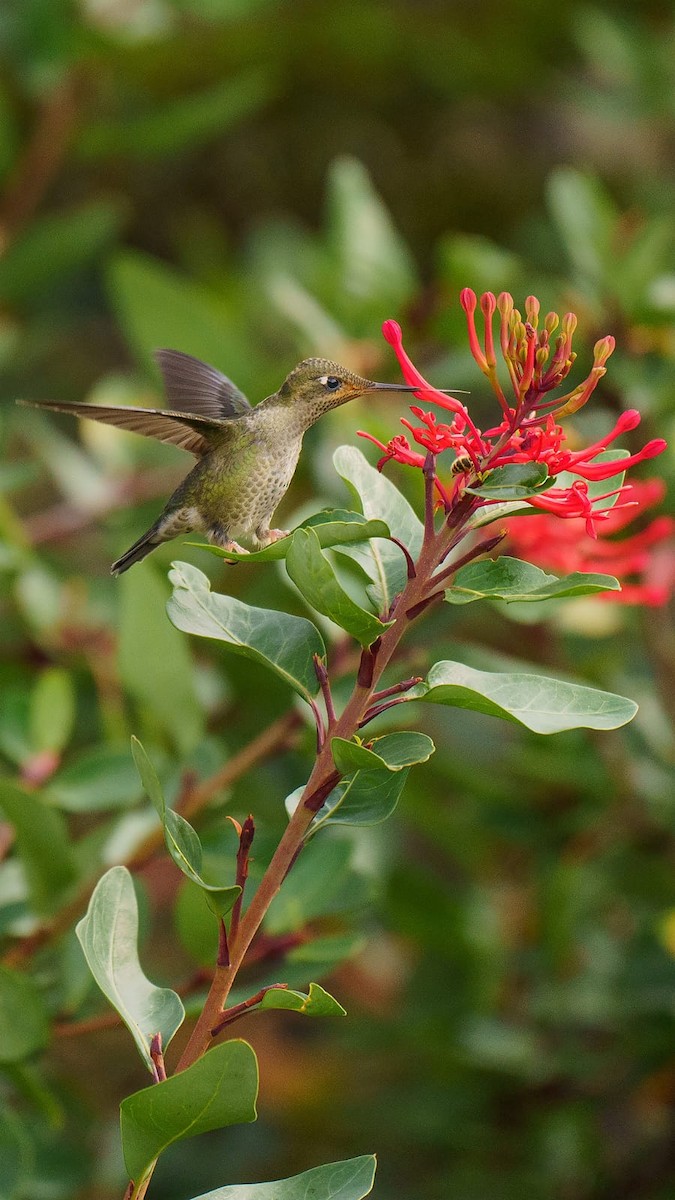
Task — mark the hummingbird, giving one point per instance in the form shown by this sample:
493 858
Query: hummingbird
246 455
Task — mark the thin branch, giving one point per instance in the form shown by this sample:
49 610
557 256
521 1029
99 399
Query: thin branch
246 835
40 162
240 1010
324 684
483 547
223 959
318 720
429 502
157 1056
404 686
380 708
409 561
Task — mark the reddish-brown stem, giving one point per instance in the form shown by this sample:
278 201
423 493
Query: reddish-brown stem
380 708
223 948
404 686
364 678
426 602
318 720
409 561
246 835
157 1056
324 684
483 547
429 481
240 1010
318 797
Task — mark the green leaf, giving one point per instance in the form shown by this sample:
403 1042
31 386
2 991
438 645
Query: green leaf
365 798
314 577
23 1017
174 124
284 643
155 663
351 1179
43 845
52 710
374 267
392 751
157 306
98 779
55 246
218 1090
182 841
317 1003
108 935
585 218
511 580
16 1155
332 527
380 499
541 704
513 482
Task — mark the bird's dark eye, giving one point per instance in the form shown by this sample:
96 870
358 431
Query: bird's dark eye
332 383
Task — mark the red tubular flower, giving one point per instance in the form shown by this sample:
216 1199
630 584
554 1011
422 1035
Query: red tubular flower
529 429
644 562
397 448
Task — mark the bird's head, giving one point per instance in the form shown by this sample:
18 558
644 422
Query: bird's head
317 385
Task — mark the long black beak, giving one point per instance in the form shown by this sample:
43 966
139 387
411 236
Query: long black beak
404 387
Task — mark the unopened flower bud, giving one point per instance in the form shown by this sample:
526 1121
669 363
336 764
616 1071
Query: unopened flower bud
505 304
467 299
488 304
532 307
569 324
391 331
603 349
630 419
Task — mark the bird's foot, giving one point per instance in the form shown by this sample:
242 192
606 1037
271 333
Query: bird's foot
234 548
272 535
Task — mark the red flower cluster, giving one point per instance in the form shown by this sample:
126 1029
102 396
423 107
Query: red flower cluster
644 562
529 430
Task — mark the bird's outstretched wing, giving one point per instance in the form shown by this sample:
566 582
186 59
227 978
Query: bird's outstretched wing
191 432
193 386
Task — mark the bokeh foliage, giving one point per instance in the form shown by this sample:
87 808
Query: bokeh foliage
252 181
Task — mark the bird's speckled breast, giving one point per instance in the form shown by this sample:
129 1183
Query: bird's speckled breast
246 482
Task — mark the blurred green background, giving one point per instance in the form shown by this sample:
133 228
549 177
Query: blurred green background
254 181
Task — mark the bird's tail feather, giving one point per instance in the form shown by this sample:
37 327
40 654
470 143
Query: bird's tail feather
147 542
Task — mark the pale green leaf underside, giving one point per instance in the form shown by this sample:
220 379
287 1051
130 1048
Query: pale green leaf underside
541 704
511 580
286 644
219 1090
380 498
348 1180
108 935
